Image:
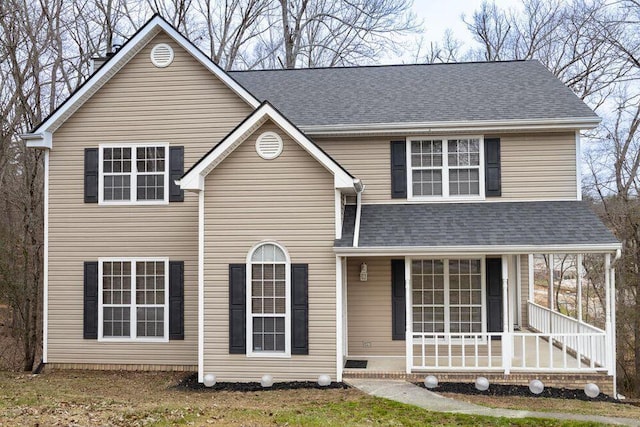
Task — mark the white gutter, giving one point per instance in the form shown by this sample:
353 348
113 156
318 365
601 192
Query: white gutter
356 231
452 126
471 250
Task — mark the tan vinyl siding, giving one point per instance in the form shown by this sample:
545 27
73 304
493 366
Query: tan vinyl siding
183 104
369 309
289 200
538 166
367 159
534 166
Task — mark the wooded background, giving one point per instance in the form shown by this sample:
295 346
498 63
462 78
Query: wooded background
45 48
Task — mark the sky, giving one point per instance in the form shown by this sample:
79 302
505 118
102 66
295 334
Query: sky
438 15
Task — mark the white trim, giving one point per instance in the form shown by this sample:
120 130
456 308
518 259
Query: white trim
201 286
194 178
507 325
339 320
455 200
518 263
42 140
133 304
356 229
472 250
124 55
531 272
133 174
338 213
408 336
445 169
287 305
411 128
578 166
45 261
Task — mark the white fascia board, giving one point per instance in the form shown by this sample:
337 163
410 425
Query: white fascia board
124 55
194 179
42 140
482 126
473 250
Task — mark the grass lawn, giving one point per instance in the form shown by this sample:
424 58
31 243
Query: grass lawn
141 399
627 409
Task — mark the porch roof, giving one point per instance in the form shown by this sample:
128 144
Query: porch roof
543 224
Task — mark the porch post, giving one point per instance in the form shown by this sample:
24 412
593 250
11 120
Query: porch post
613 333
608 324
339 320
409 316
506 336
579 287
551 295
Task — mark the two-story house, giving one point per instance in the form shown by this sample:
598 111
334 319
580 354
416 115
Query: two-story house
288 222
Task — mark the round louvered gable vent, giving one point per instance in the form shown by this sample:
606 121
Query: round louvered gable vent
161 55
269 145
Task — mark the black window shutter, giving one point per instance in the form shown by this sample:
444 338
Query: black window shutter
237 309
299 309
91 175
90 300
176 300
398 170
398 301
492 180
176 169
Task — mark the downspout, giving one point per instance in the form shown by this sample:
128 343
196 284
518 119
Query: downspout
356 231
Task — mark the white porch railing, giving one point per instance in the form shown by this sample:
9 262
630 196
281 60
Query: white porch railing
518 351
578 336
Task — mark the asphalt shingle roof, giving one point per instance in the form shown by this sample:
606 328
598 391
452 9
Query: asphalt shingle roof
541 223
513 90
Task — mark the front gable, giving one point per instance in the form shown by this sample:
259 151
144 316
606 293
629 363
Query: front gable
194 178
139 44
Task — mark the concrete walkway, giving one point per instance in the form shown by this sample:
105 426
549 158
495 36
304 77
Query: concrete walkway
406 392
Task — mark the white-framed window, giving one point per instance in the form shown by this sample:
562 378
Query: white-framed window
268 301
133 173
448 295
133 299
451 167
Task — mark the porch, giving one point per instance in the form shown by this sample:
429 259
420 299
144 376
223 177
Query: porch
459 340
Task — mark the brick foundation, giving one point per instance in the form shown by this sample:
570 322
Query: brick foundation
122 367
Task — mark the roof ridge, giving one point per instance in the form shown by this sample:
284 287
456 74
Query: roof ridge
385 66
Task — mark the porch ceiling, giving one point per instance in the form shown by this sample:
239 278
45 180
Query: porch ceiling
542 224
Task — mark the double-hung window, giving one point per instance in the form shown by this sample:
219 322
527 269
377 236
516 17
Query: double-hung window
445 167
448 296
133 173
133 299
268 326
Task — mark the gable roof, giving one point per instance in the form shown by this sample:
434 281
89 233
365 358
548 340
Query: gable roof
41 135
193 179
517 92
465 226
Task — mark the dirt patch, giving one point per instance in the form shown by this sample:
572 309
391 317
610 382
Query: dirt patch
191 383
520 390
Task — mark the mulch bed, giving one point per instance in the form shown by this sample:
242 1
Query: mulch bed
518 390
191 383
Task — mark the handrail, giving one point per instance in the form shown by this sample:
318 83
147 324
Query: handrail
595 329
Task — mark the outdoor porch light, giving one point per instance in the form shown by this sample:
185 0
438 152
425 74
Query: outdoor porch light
324 380
431 381
209 380
266 381
482 383
592 390
536 386
363 272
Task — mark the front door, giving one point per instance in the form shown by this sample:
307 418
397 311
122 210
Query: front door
494 295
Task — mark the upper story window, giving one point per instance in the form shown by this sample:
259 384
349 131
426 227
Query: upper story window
268 328
445 167
133 299
133 174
